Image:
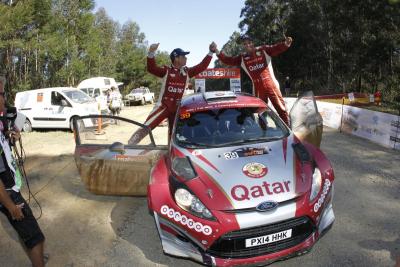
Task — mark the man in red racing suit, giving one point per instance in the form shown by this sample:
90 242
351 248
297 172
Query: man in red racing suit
174 80
256 62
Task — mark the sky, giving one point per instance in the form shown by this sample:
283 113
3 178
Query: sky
188 24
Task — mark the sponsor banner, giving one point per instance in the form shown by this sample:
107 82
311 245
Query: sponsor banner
200 85
381 128
351 97
219 73
235 85
331 114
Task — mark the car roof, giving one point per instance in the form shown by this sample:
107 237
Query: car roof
219 99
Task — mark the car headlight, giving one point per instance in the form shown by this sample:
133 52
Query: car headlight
316 183
183 168
192 204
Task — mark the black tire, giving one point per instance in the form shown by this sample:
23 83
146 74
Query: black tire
27 126
143 102
151 100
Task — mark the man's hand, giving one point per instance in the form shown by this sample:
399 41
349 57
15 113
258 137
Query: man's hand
16 212
213 47
14 136
153 47
288 41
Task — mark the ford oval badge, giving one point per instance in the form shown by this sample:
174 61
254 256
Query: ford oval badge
267 206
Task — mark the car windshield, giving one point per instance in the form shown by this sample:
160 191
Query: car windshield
228 127
138 91
78 96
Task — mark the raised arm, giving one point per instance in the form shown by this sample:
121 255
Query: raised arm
193 71
276 49
151 62
227 60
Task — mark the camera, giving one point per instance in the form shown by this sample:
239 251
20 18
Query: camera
8 118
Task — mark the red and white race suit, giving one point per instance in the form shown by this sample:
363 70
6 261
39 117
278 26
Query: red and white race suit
258 67
173 86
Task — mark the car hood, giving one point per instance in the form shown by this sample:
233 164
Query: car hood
241 177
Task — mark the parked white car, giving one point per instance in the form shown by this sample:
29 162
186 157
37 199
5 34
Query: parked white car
140 95
54 107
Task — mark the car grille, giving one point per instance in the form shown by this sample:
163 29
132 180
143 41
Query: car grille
233 244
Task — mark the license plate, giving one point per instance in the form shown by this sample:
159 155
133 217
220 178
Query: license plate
266 239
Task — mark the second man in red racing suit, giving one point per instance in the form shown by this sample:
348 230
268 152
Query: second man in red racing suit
174 80
256 62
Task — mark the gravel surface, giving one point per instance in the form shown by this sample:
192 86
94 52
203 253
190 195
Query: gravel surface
83 229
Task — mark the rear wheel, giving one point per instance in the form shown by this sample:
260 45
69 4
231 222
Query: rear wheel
27 126
151 100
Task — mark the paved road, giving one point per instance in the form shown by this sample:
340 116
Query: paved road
88 230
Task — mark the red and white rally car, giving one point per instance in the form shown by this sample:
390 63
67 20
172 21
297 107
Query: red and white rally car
235 186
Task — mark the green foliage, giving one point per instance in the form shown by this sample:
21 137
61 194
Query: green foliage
46 43
339 45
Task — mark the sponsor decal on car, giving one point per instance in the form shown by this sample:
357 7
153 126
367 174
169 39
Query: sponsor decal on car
231 155
255 170
185 221
241 192
124 158
251 151
197 152
185 115
321 198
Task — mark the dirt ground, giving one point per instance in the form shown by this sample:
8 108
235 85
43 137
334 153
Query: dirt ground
83 229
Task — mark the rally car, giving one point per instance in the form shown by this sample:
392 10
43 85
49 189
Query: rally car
234 186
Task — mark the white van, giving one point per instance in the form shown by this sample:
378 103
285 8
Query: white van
96 88
54 107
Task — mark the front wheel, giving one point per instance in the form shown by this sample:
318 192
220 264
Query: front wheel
143 102
27 126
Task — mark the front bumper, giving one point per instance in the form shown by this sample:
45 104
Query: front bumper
226 247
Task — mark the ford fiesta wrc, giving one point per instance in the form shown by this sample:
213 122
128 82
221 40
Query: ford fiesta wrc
238 187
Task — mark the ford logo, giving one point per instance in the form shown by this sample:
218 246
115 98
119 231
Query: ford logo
267 206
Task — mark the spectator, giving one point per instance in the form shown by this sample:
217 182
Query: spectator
12 204
115 101
287 86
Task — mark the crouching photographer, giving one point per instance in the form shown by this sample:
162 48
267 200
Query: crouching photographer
12 204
